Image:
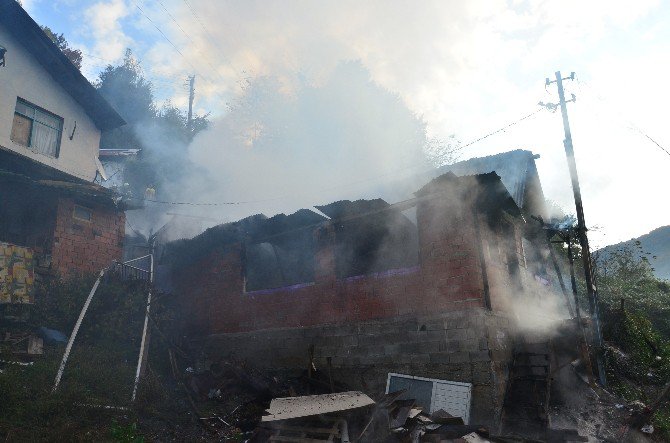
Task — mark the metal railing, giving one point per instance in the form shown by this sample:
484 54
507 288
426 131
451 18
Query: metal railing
128 271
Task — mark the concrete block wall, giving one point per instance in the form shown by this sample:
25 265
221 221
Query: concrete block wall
470 346
86 246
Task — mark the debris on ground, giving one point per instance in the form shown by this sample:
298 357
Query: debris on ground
294 407
21 343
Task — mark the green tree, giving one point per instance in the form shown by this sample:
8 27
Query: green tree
161 132
74 55
126 89
622 275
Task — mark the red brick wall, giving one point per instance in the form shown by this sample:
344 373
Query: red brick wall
86 246
448 278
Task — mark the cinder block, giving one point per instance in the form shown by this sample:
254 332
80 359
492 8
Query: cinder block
459 357
418 359
482 373
393 349
347 340
371 360
433 325
456 334
372 340
440 357
471 345
452 346
501 355
478 356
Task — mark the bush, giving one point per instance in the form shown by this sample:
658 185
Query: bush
100 370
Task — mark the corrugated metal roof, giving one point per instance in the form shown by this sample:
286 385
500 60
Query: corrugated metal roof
513 167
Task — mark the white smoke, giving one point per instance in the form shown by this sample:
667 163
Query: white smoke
465 67
285 149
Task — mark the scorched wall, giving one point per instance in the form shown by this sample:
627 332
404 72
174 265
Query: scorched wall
439 319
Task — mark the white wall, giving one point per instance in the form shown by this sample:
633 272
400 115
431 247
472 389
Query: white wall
24 77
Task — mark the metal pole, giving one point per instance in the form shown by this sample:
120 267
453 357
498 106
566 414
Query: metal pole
142 356
191 96
559 275
573 281
581 231
68 348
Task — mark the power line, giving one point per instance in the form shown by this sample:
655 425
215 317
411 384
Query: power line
210 36
214 69
650 139
161 32
175 47
233 203
504 128
144 68
631 125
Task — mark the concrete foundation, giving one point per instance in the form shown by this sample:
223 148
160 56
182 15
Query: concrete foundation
469 346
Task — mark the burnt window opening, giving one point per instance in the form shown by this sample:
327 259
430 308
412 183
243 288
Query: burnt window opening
279 263
512 254
36 128
280 251
82 213
27 217
372 237
536 258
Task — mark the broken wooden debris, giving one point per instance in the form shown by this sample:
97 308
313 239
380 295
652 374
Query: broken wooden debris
444 418
337 431
294 407
22 343
406 419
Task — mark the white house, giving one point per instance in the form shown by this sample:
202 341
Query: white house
49 112
51 118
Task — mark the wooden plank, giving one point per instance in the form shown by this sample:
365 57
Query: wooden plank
280 438
333 430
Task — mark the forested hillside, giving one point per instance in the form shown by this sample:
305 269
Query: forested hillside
654 246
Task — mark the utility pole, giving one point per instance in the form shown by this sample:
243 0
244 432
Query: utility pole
581 225
191 96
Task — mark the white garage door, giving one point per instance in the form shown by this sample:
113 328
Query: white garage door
434 394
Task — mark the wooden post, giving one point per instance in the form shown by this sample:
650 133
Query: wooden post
581 230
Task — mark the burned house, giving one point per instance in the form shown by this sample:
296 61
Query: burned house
424 287
114 162
53 218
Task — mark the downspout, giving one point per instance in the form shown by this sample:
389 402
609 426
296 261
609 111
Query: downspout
482 261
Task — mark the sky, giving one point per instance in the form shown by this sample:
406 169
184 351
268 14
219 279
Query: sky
466 67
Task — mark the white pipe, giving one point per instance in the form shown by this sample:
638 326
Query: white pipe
68 348
136 259
144 330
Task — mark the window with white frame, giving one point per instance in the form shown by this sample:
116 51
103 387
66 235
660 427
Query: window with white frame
37 128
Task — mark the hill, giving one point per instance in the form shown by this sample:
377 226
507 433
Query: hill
654 245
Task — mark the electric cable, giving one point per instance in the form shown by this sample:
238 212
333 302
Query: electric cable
209 80
204 57
629 122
